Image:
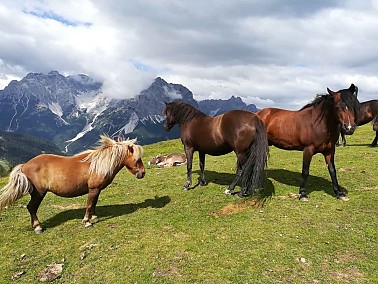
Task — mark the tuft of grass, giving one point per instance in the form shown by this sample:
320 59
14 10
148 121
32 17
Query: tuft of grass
150 231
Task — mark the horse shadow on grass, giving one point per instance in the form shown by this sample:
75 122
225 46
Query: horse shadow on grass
107 211
283 176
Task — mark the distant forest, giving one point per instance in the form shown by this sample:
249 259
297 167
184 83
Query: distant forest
16 149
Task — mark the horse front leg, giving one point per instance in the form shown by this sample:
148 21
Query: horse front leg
307 157
33 205
189 160
202 180
91 204
330 160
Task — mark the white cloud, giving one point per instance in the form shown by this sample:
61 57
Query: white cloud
271 53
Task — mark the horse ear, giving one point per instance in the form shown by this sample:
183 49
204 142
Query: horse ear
332 93
120 137
353 89
336 96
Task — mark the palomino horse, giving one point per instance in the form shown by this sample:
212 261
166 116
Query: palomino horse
314 129
87 172
368 112
240 131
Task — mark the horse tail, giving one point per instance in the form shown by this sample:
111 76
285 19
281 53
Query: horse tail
17 186
254 169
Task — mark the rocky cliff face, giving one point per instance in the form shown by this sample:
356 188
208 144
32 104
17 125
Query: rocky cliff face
72 111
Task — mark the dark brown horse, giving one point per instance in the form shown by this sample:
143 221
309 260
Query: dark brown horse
88 172
368 111
314 129
375 128
240 131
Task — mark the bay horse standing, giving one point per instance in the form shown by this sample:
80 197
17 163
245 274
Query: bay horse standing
367 113
88 172
314 129
240 131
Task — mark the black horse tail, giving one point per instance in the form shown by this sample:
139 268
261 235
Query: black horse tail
254 169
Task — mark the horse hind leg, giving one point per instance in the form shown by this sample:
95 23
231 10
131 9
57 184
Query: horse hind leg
33 205
239 173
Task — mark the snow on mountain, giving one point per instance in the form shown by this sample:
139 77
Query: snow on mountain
155 119
71 111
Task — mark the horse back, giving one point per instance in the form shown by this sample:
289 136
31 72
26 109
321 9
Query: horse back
294 130
219 135
368 110
64 176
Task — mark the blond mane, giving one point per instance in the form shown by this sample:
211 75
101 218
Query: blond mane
110 154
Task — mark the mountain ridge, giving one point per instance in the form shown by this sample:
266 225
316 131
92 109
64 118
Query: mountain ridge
72 111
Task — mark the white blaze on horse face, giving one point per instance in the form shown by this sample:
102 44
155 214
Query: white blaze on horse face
349 125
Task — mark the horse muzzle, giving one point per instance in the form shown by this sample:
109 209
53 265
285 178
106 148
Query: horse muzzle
349 128
168 127
140 174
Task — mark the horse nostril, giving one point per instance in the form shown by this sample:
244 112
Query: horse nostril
140 175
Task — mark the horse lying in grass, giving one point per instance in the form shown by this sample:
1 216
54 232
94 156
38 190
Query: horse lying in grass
88 172
170 160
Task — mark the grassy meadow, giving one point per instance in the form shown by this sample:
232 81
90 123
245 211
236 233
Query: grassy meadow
150 231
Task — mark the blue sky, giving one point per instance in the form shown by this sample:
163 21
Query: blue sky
271 53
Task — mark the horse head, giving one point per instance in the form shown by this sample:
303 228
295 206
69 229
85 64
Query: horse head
133 161
346 106
156 160
169 118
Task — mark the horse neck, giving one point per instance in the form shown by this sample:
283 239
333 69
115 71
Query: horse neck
188 115
327 117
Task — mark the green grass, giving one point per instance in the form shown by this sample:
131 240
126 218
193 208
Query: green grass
150 231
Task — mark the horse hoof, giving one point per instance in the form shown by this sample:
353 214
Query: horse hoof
228 192
94 219
343 197
242 194
88 225
38 230
303 198
185 188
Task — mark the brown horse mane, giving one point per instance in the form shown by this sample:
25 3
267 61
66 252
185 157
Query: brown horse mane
183 112
110 154
327 105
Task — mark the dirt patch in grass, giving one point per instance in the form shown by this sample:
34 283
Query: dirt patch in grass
67 207
236 207
368 188
349 275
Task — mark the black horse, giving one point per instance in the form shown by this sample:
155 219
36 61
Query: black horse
368 112
240 131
